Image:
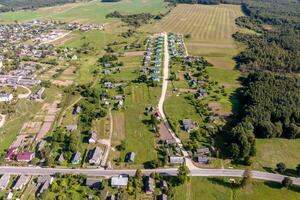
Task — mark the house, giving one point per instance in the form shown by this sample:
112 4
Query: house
108 84
93 137
203 159
176 159
77 110
25 156
162 197
93 183
149 185
4 180
120 181
119 97
71 128
9 196
11 153
76 158
74 57
155 70
155 77
96 156
188 125
43 183
130 157
5 97
61 158
38 94
163 185
21 182
203 151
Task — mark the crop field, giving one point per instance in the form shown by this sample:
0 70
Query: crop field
220 189
210 27
94 11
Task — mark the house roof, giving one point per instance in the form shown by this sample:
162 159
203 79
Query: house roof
92 182
4 180
97 153
119 180
149 184
176 159
25 156
21 181
77 157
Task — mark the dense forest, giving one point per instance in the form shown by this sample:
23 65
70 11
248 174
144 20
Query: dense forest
11 5
270 108
276 47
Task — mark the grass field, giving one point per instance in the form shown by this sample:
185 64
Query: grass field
94 11
272 151
219 189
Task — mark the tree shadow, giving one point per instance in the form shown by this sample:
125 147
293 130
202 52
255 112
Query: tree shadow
272 184
269 169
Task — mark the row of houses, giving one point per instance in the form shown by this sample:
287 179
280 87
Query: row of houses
176 45
42 183
153 58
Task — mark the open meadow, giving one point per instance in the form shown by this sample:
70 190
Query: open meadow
199 188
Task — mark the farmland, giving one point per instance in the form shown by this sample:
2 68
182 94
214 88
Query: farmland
92 12
219 188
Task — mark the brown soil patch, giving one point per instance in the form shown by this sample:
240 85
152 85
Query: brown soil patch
216 107
164 133
62 83
134 53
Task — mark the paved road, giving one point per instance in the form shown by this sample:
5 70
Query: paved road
166 172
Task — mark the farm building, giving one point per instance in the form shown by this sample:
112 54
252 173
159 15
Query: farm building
176 159
5 97
130 157
96 156
43 183
149 185
25 156
21 182
93 183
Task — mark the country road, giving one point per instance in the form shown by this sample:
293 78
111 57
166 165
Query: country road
188 160
165 172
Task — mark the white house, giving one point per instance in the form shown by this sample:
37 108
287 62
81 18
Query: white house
4 97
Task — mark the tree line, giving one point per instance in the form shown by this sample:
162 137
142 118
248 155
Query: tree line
12 5
270 108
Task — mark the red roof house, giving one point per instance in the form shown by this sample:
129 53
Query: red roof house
25 156
10 153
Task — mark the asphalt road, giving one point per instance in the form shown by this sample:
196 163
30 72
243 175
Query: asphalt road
165 172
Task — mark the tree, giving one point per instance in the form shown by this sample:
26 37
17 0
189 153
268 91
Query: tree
298 170
138 181
287 182
280 167
183 173
247 178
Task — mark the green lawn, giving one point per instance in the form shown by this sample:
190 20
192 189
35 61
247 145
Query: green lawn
94 11
219 189
272 151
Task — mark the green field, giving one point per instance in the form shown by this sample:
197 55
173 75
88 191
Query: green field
219 189
92 12
272 151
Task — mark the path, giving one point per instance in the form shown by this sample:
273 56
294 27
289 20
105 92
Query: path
58 38
164 172
2 121
26 95
105 156
188 160
65 110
